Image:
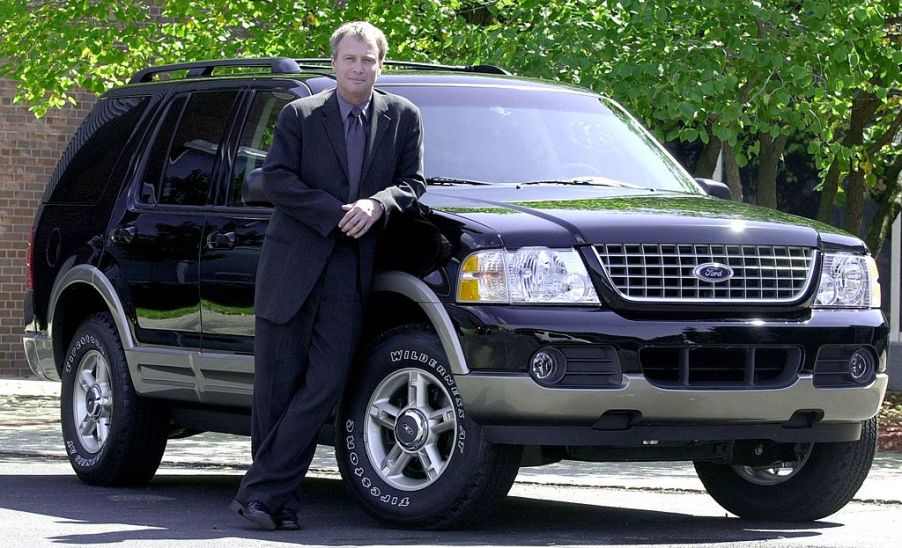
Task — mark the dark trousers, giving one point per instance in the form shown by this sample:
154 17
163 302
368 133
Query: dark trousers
300 369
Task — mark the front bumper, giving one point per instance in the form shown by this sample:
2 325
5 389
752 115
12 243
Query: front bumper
516 399
517 410
39 353
633 409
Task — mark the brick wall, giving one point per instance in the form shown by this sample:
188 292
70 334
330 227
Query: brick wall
29 150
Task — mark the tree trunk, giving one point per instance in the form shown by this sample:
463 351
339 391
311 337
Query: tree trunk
890 207
856 193
863 108
828 192
707 162
731 172
768 162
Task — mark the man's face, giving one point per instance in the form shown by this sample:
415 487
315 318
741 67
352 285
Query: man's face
356 67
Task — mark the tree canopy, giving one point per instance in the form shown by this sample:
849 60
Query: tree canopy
736 76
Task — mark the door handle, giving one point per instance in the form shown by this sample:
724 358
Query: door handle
221 240
123 234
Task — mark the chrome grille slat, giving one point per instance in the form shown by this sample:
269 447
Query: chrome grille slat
663 272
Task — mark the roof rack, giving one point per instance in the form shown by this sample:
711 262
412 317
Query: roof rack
198 69
285 65
485 69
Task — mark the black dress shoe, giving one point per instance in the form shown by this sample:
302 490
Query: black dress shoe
255 512
287 520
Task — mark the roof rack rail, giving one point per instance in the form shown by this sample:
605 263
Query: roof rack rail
486 69
285 65
276 65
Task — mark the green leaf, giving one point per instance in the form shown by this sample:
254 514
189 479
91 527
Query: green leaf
687 111
725 134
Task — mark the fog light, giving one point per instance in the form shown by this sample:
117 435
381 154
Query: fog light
861 366
548 366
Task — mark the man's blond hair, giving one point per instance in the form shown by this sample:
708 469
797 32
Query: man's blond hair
363 31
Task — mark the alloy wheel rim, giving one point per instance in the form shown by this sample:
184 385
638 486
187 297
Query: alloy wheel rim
92 401
411 428
776 474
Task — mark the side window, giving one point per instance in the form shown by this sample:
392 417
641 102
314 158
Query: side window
181 161
156 160
256 138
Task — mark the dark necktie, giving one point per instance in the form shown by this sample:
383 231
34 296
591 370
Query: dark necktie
356 142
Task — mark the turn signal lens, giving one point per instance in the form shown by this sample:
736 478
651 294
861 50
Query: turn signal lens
482 278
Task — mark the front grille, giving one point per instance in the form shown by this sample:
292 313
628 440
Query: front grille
664 272
720 367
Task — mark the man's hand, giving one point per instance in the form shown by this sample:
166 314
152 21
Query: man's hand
360 217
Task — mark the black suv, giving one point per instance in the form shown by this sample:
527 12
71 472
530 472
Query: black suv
599 303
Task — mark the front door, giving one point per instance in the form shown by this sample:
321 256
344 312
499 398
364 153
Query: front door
230 250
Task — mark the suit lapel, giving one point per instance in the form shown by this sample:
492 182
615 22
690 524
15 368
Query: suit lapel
378 127
334 126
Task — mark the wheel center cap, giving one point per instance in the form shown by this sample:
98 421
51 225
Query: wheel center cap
411 430
93 401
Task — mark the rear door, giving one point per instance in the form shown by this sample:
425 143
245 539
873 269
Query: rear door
156 239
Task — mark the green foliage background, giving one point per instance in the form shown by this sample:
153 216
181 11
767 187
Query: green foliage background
740 76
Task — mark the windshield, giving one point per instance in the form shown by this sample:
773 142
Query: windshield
517 135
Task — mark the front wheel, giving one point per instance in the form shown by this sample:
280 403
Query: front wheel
405 444
817 482
112 435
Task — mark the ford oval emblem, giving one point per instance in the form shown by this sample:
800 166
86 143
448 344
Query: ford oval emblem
713 272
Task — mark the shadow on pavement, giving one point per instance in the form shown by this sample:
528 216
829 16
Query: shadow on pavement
182 507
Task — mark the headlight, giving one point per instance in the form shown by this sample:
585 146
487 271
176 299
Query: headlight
848 281
528 275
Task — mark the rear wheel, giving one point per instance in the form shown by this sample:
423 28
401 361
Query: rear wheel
405 444
112 436
817 482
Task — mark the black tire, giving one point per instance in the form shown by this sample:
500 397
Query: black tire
469 476
112 436
824 482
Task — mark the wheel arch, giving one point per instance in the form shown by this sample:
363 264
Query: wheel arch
79 292
400 298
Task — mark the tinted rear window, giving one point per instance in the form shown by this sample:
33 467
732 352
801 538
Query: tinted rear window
85 168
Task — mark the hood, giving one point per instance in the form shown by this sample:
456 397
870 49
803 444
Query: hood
566 215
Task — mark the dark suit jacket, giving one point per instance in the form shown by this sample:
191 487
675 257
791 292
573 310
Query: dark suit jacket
305 176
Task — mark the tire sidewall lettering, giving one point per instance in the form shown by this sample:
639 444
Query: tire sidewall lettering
81 345
365 482
85 342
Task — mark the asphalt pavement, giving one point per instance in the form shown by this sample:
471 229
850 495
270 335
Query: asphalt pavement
29 426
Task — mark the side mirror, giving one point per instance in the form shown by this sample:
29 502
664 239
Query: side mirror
715 188
252 190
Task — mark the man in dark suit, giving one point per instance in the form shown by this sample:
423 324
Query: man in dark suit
341 163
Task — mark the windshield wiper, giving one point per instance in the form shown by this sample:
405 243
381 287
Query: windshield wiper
588 181
454 181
